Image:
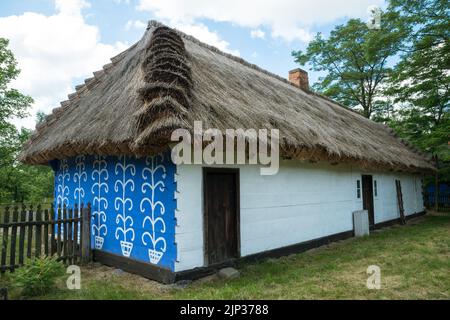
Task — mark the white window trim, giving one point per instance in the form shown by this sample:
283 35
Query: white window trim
359 189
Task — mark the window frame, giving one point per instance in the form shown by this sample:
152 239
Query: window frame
358 189
375 188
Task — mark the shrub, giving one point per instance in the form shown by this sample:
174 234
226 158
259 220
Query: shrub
4 284
38 276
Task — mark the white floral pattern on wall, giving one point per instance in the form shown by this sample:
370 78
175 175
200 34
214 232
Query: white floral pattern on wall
79 176
125 204
155 208
100 203
133 204
63 179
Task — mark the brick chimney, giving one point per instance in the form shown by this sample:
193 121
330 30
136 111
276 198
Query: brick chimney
299 78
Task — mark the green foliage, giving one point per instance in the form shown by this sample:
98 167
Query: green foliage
12 102
18 182
38 276
40 116
355 60
420 81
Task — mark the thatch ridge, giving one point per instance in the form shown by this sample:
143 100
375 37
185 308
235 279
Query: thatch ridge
167 90
169 79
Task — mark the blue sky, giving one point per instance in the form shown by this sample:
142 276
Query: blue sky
59 43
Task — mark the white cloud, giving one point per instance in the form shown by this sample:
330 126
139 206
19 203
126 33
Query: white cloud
287 19
258 33
202 33
53 51
71 7
135 24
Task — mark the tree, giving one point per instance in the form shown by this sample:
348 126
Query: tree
12 102
18 182
421 80
40 116
355 60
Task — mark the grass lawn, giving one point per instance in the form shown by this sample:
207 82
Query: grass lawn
414 262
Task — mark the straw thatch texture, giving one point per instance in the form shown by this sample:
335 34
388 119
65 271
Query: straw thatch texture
169 80
166 94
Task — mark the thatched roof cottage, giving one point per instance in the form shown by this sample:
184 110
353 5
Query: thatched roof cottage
109 145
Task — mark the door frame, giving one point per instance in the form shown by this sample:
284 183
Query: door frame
372 196
236 173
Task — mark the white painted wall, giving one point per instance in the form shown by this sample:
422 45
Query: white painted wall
302 202
386 207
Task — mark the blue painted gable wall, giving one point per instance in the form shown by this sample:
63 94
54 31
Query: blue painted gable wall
133 203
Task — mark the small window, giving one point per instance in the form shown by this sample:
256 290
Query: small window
375 188
358 189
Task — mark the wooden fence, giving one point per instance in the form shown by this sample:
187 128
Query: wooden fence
27 233
443 200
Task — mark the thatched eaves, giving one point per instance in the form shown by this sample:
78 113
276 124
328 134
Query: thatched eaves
168 80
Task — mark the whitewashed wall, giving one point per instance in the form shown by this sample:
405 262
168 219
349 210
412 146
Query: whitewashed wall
302 202
386 207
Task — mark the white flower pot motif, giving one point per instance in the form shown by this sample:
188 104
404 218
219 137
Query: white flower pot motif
126 247
100 203
155 256
124 204
155 209
99 242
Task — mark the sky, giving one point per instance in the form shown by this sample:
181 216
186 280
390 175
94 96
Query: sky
59 43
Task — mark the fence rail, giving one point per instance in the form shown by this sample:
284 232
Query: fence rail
27 233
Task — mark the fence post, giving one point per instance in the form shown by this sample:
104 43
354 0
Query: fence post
4 248
86 234
22 233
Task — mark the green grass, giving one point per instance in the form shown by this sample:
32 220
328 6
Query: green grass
414 262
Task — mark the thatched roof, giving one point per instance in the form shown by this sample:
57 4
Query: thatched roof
169 80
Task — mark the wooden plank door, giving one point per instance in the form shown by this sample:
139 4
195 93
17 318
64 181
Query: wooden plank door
221 207
367 186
